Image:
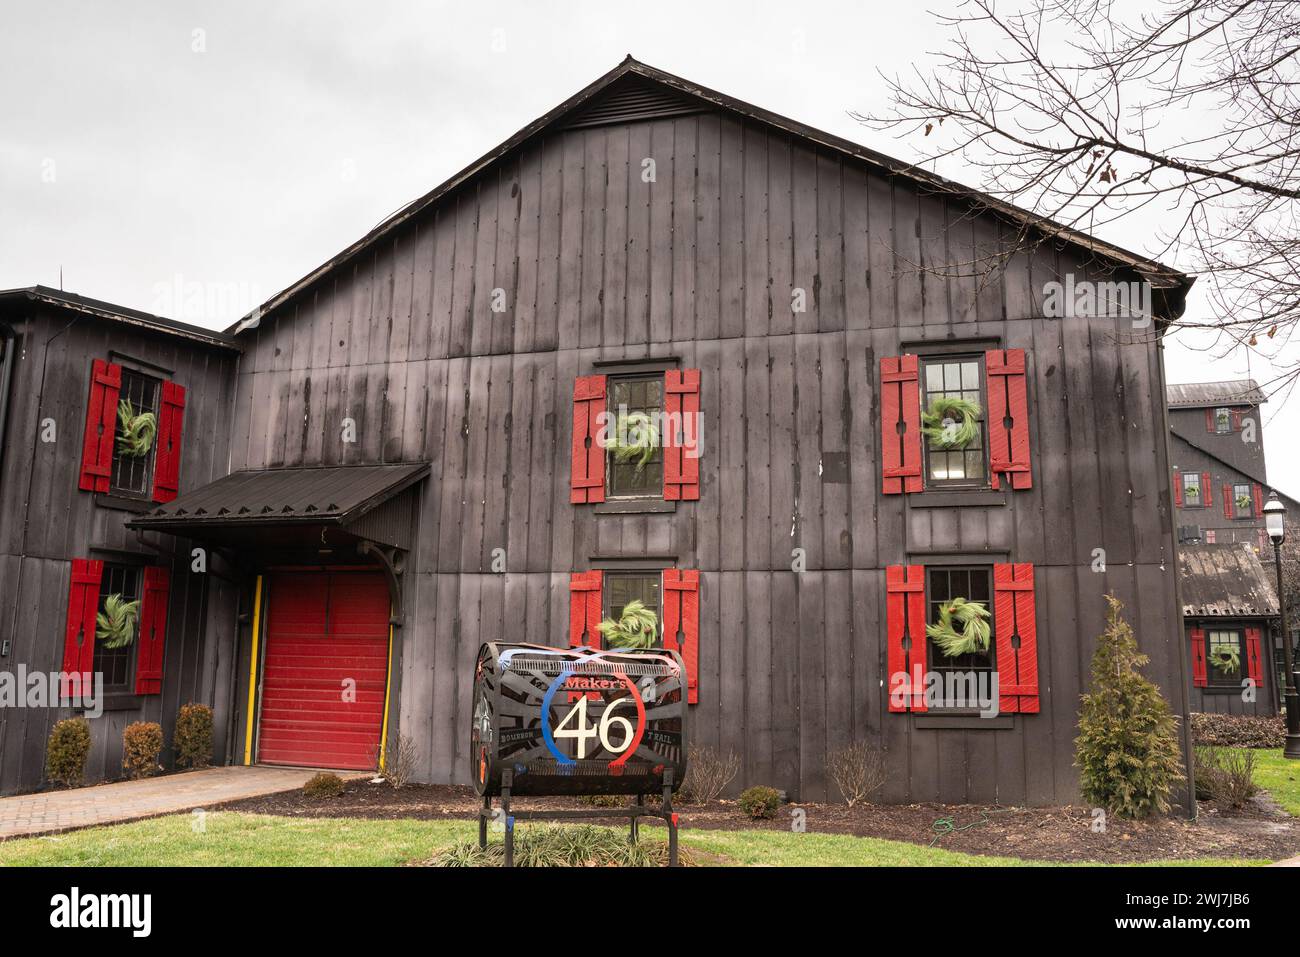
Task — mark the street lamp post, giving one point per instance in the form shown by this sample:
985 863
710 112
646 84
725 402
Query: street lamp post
1274 524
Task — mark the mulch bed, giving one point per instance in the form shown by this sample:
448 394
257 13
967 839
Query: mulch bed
1261 831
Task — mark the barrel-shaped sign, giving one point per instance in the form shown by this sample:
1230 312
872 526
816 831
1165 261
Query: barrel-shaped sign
577 720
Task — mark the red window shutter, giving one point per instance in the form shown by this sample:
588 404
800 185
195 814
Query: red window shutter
584 616
1015 623
1258 491
1008 402
587 476
167 451
153 631
900 402
1199 673
905 624
1209 420
1227 501
79 634
1254 656
1178 488
682 624
584 609
1207 491
681 434
1236 420
101 426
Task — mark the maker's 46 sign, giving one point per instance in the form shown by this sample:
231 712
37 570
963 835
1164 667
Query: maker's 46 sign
577 720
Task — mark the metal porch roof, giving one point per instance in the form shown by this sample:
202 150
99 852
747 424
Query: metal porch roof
1224 581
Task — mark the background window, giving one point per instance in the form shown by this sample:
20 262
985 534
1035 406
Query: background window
1243 502
1222 420
639 394
133 475
116 663
623 587
944 584
1192 489
1226 657
960 377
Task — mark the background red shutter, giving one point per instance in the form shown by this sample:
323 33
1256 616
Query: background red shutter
167 451
584 616
587 475
1007 392
682 623
1254 656
1014 614
153 631
79 635
1209 420
1207 491
900 401
1227 501
1199 675
1178 488
905 617
1236 420
101 426
681 452
1258 491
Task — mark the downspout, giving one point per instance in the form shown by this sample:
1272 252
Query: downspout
8 338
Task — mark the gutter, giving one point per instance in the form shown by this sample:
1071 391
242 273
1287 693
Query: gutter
8 342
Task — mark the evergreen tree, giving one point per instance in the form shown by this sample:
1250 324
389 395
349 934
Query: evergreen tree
1127 749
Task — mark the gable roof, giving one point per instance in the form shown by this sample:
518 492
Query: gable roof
1192 395
647 79
114 313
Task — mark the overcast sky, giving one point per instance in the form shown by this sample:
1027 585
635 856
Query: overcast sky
146 147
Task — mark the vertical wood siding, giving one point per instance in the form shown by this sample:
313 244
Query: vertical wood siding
594 263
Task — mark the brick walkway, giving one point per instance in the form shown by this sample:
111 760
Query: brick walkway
49 811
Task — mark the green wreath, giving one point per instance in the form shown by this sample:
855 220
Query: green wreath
951 422
115 625
637 627
973 636
137 431
635 437
1225 658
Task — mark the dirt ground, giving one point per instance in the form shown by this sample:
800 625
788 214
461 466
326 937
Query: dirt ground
1261 831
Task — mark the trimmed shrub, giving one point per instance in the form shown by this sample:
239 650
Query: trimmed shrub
1225 777
708 772
1127 748
323 785
760 802
193 737
1238 730
66 752
858 769
142 742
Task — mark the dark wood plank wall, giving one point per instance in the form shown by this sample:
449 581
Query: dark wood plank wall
46 520
597 264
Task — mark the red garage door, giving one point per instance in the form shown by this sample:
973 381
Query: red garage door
325 670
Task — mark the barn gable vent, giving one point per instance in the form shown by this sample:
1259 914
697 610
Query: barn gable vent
631 100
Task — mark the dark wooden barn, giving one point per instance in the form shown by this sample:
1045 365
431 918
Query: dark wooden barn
787 296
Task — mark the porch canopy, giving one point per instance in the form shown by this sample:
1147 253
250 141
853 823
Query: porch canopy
1224 581
297 508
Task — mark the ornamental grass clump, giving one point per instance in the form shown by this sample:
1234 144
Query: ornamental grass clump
637 627
635 438
950 422
962 629
561 845
1127 748
136 430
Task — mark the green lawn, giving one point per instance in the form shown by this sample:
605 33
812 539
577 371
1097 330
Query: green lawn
1280 776
236 839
